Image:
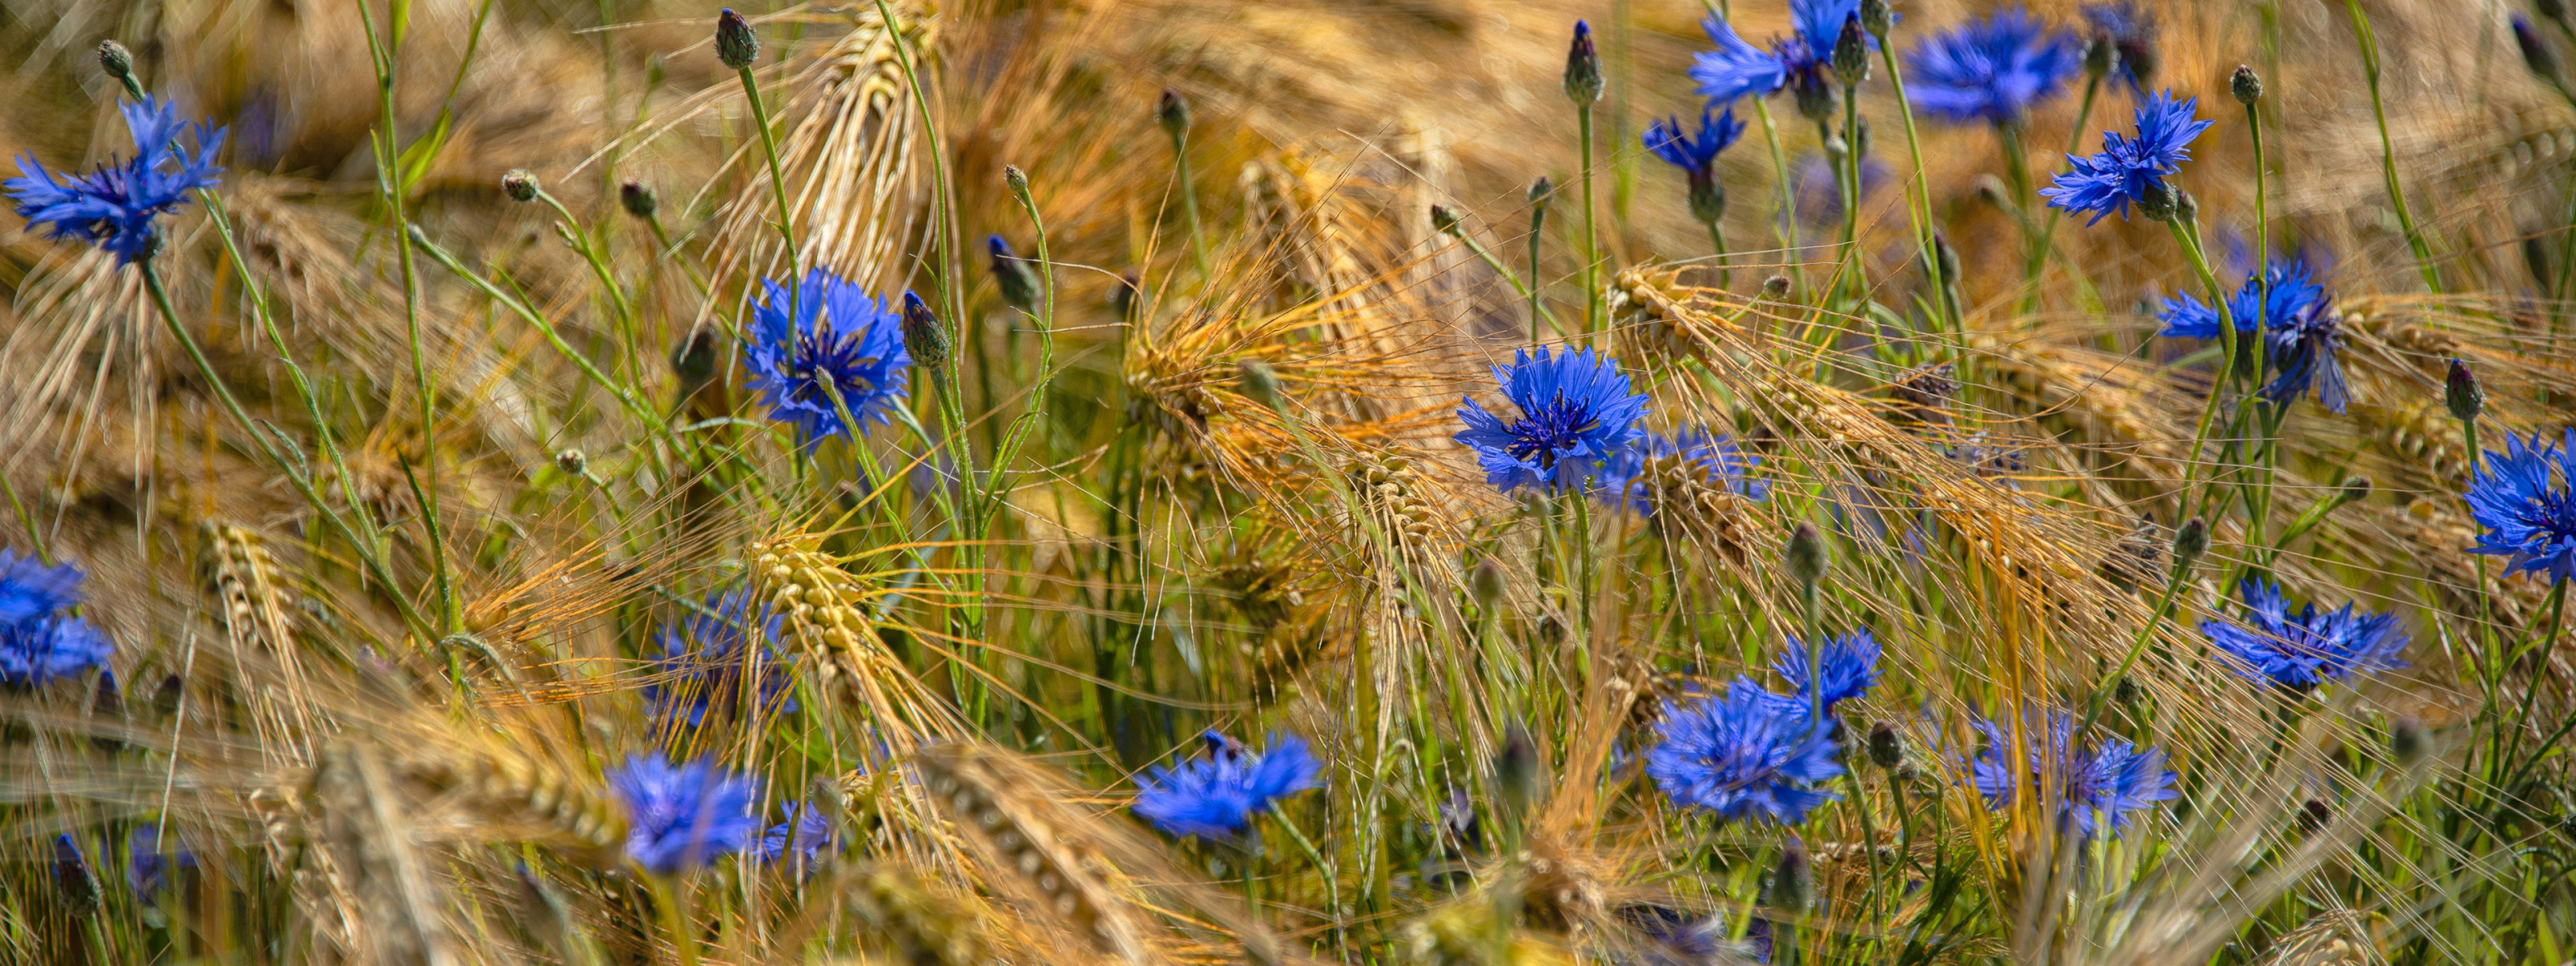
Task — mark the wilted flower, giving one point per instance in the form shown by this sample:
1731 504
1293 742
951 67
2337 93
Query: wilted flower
1216 796
2300 651
1803 59
804 835
1850 667
1576 414
1750 753
2130 167
2522 499
1992 70
1637 475
704 659
2112 781
842 342
117 205
680 817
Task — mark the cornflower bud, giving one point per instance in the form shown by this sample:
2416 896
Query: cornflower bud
694 360
1851 53
1173 113
1485 583
1815 98
1776 287
923 336
117 61
2408 741
1541 191
1582 67
1516 772
1128 299
2555 10
1886 747
2190 541
1876 18
2158 201
1016 180
1793 880
2314 815
1261 384
1445 221
520 185
2460 391
2535 259
573 462
638 199
2247 85
2355 488
736 45
1018 282
2100 55
1806 555
2535 50
72 876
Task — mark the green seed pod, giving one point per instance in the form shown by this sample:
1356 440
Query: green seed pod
117 61
924 337
637 197
2461 393
1806 555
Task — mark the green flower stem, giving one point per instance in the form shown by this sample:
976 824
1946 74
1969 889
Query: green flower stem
1035 415
1525 291
1921 207
777 187
1717 242
1591 228
2190 243
620 312
1538 224
2039 253
1184 187
2387 149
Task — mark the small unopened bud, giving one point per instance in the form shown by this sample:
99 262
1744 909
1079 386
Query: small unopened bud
2158 200
638 199
1991 190
2245 84
1016 180
1946 256
2408 741
1793 880
1173 113
2535 50
1542 191
573 462
1876 18
924 338
2355 488
1445 221
1582 67
1261 384
1707 198
1806 555
72 876
520 185
1012 274
693 360
2186 207
1516 772
1886 747
1816 99
2190 541
2314 815
736 45
117 61
2460 391
1776 287
1485 583
1851 52
2100 55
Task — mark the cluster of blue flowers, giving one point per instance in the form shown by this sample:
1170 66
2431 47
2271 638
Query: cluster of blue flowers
118 205
2084 786
840 359
1801 61
1753 753
40 640
2302 651
1216 796
705 659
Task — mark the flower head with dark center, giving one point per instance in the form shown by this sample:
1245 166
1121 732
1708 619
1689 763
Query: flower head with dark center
41 650
2132 32
1850 667
798 840
1216 796
705 658
117 206
1748 754
2128 167
1576 414
682 817
2085 785
2523 502
28 588
841 359
2300 651
1992 70
1653 469
1801 60
2294 291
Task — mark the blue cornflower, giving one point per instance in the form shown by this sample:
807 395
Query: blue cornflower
1802 60
1640 475
805 834
2129 166
116 205
1576 413
2522 498
1850 666
41 650
148 867
1992 70
1216 796
2132 32
2111 782
1695 154
2302 350
843 341
2300 651
681 816
703 659
2294 291
1750 753
28 588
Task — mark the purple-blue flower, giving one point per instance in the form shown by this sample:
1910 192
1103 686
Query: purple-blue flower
843 342
41 650
1635 477
1738 69
1992 70
2132 32
2128 166
2521 499
681 817
1747 754
1696 154
1576 414
117 205
1850 667
28 588
2300 651
1216 796
2294 292
804 835
148 866
2087 784
705 658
